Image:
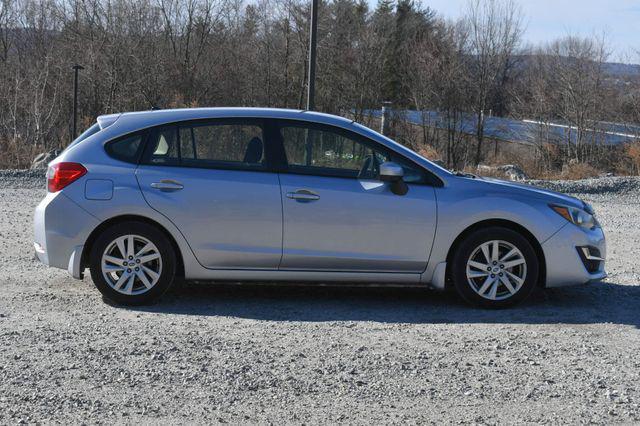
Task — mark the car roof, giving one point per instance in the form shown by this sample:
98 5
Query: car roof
144 119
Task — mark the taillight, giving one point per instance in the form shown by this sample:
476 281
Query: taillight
60 175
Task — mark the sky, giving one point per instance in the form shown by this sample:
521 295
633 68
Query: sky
546 20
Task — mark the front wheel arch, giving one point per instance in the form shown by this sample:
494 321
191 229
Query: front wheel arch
537 247
86 251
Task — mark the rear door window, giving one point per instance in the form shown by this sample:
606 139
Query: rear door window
163 146
218 144
227 144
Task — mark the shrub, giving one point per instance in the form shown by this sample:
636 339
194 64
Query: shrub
632 151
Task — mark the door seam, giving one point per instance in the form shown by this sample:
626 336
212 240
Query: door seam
282 224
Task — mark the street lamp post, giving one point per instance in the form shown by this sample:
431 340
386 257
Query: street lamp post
311 86
76 69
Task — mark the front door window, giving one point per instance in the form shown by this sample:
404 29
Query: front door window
328 152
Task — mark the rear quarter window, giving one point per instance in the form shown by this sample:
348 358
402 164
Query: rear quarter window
126 148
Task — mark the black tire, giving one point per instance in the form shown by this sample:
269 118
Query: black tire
472 243
149 232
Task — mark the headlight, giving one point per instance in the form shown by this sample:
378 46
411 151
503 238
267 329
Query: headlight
583 218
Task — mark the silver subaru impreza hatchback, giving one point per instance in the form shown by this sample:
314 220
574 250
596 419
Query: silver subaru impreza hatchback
283 195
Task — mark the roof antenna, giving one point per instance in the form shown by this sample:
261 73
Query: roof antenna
153 105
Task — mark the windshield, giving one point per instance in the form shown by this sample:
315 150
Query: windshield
89 132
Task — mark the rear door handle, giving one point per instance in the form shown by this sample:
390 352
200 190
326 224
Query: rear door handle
303 195
167 185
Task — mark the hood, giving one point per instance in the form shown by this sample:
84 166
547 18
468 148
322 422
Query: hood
526 190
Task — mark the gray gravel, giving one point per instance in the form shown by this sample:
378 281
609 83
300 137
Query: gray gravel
625 185
264 354
32 179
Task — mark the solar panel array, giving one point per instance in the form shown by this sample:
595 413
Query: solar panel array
523 131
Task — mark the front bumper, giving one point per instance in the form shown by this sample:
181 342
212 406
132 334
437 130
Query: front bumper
564 264
61 228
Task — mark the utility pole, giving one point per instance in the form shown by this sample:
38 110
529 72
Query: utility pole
76 69
311 84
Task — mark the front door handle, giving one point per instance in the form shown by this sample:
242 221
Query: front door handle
167 185
303 195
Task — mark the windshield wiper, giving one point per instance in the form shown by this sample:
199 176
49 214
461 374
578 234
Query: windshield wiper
463 174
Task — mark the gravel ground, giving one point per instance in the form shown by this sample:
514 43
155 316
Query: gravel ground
265 354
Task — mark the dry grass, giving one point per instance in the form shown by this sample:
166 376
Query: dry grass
577 171
632 152
428 151
17 155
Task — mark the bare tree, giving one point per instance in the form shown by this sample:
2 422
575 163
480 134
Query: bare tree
565 88
438 83
7 22
577 76
495 30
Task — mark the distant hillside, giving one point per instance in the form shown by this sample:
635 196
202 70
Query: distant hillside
613 69
622 70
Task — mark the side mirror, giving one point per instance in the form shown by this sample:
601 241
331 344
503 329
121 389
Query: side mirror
393 173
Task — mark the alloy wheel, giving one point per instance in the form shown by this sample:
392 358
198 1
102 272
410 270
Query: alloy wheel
131 264
496 270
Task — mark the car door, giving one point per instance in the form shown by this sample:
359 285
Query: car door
212 180
338 216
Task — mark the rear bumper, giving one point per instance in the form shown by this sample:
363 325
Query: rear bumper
565 266
61 228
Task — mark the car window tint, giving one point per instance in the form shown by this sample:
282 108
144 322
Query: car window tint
324 152
223 144
187 150
125 149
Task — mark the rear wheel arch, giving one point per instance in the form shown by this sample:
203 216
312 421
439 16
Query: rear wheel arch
537 247
86 251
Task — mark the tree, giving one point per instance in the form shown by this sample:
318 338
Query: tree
495 31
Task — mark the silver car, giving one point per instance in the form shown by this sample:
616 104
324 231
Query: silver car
272 195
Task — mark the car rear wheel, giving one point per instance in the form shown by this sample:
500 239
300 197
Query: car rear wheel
132 263
495 267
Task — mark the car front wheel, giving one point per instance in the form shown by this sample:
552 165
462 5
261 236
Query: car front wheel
495 267
132 263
